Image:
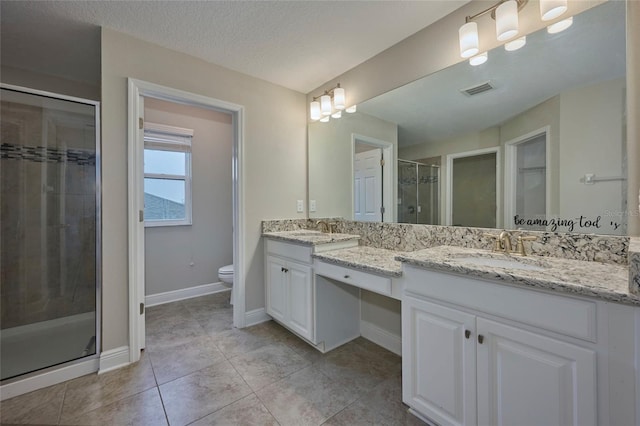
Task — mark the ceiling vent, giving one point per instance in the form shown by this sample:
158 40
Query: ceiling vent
477 89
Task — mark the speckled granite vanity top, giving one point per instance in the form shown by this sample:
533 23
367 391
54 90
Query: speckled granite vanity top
605 281
310 237
366 259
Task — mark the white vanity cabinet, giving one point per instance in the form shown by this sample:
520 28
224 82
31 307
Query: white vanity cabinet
289 286
524 358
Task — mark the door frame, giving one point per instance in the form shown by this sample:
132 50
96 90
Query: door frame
388 174
510 151
449 181
137 89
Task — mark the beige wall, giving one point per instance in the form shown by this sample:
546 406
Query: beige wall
178 257
49 83
274 167
330 160
591 123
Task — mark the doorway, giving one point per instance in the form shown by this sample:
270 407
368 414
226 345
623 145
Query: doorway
372 179
527 179
138 91
473 188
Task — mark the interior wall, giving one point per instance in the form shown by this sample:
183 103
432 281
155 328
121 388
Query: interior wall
49 83
330 143
274 157
591 124
179 257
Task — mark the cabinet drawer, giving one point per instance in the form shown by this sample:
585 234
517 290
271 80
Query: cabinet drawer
291 251
560 314
350 276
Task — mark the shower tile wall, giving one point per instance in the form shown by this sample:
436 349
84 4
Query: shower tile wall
48 212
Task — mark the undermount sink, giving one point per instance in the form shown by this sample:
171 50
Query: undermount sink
499 263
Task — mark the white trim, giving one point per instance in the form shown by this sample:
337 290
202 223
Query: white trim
169 130
389 189
46 325
49 378
449 181
389 341
184 293
256 316
137 91
113 359
510 160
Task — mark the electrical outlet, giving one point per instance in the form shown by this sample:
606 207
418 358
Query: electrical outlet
300 206
312 206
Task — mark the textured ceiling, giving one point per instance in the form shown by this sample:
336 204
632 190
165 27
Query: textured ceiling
296 44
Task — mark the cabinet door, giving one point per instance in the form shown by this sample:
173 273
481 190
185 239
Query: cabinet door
300 299
276 288
529 379
439 362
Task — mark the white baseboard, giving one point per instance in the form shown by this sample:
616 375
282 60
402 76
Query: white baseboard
184 293
382 337
113 359
256 316
48 378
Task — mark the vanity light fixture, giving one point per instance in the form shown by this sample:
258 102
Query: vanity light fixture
479 59
505 13
515 44
351 109
551 9
560 26
329 104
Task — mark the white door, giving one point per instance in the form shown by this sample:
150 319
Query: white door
529 379
276 288
439 362
368 186
300 299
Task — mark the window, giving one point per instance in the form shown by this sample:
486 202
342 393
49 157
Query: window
167 175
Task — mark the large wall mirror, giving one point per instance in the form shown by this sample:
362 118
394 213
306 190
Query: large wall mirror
532 139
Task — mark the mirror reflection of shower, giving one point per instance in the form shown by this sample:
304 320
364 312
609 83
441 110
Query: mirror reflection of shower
418 192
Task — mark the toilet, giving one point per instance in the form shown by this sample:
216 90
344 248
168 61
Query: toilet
225 274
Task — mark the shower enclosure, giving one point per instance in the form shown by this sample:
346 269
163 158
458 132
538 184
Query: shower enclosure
418 193
50 230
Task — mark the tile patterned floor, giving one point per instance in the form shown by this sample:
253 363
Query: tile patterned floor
198 370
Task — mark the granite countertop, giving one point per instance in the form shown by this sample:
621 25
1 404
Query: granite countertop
309 237
605 281
366 259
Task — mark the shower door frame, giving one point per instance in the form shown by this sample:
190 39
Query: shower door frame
58 373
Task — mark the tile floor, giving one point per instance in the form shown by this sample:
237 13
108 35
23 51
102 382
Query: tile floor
197 369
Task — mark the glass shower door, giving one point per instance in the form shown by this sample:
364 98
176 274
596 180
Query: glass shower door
50 230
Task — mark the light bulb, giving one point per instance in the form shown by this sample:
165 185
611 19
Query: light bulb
479 59
315 110
507 20
325 119
560 26
551 9
516 44
338 98
468 39
336 114
351 109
